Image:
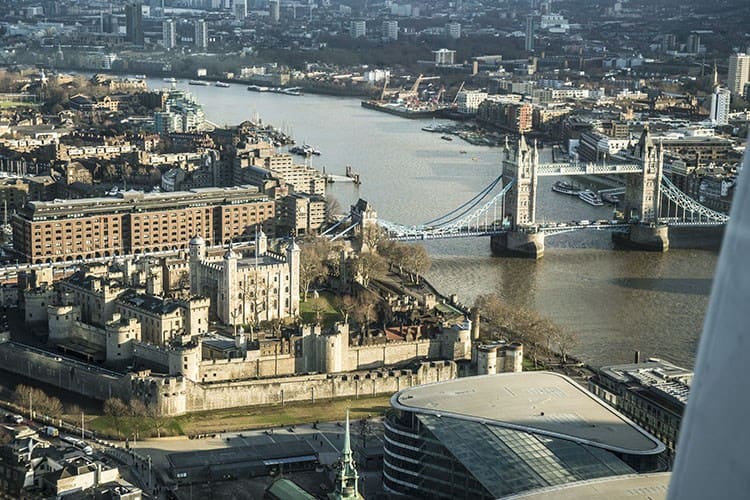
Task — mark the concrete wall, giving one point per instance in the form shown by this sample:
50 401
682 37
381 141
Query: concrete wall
703 238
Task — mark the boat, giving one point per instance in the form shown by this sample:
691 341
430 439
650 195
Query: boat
462 152
591 198
258 88
199 82
310 150
565 188
221 85
295 91
446 137
170 79
140 77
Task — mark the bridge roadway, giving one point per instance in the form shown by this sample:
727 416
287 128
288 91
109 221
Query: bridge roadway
554 169
548 230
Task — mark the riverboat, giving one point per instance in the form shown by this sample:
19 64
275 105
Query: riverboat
565 188
591 198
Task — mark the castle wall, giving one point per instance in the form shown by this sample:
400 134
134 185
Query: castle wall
314 387
391 353
220 370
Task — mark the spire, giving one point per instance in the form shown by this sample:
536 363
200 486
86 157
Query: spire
347 451
716 77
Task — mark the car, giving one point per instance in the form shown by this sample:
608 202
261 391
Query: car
50 431
16 419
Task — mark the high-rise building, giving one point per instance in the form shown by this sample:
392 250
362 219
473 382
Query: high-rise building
693 44
358 29
720 106
169 34
201 34
108 23
134 23
453 30
390 30
444 57
739 73
529 42
240 9
274 10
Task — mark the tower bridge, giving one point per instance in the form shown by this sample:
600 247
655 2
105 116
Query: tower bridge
505 210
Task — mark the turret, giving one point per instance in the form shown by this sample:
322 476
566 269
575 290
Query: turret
293 261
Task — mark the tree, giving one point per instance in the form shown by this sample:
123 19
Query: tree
346 306
116 409
138 411
371 236
365 310
565 342
416 262
310 268
369 265
157 419
333 209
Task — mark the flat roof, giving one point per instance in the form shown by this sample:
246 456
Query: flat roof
630 487
537 402
272 452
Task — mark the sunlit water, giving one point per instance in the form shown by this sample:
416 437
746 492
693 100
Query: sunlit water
617 301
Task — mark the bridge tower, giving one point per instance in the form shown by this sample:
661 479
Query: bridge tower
522 239
642 201
519 167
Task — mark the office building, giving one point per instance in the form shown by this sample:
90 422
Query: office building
444 57
240 9
529 40
169 34
720 106
739 73
201 34
489 436
358 29
390 30
693 45
653 394
137 222
453 30
134 23
274 10
468 101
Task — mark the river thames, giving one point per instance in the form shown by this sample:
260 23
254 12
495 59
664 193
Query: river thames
617 301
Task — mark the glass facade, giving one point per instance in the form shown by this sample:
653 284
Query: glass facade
446 457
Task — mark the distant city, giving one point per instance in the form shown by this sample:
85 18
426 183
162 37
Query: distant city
186 309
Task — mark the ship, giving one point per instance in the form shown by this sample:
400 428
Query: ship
140 77
257 88
402 109
446 137
565 188
170 79
222 85
199 82
591 198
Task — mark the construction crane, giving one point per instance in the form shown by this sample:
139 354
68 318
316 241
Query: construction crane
385 86
459 91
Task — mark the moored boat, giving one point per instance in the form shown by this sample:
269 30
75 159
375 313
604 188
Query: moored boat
565 188
591 198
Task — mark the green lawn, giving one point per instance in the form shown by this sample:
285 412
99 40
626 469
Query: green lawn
242 418
324 305
15 104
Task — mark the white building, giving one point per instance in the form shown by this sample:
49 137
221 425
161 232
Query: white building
390 30
201 34
358 29
169 34
468 101
261 287
720 106
554 22
240 9
444 57
739 73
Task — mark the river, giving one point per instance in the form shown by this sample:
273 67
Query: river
617 301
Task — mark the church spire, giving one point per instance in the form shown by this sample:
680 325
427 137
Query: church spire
346 482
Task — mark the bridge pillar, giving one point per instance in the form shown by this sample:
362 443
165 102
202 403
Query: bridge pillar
518 244
644 237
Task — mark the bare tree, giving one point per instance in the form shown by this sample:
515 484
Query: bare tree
116 410
310 268
417 262
372 235
565 342
158 421
346 306
365 310
138 411
333 208
368 266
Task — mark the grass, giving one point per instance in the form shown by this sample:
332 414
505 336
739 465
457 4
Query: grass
324 305
234 419
17 104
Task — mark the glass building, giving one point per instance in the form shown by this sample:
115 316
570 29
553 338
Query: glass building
497 435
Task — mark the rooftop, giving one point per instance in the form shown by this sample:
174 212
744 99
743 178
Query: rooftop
630 487
536 402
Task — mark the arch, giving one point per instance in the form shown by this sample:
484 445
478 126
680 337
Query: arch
68 258
58 259
107 254
117 253
48 261
97 255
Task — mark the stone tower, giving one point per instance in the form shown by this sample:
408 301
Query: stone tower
227 307
643 192
197 249
293 260
520 168
347 478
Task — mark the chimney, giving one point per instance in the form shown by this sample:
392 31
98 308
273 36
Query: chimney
637 357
